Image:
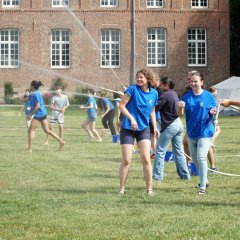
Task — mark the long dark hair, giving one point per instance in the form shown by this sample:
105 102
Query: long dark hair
36 84
168 81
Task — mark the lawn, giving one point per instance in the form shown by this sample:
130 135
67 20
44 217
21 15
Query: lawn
72 194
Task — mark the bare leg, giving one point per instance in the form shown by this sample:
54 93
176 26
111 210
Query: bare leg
31 131
186 149
60 128
47 136
216 133
46 129
85 127
211 158
92 125
126 160
144 148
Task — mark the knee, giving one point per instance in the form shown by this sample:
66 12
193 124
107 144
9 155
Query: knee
126 162
146 160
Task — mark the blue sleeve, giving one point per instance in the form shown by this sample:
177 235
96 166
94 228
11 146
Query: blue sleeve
129 90
105 101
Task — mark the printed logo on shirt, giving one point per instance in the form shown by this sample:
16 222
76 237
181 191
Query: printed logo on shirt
150 101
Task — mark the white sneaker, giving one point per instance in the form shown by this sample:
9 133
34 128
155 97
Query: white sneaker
150 192
122 191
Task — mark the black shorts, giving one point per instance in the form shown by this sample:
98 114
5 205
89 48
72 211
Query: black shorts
128 136
40 118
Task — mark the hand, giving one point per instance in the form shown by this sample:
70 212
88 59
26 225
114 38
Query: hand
181 104
156 132
81 107
134 124
102 116
225 102
213 111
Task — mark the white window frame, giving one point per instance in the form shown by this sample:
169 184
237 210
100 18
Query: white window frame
11 5
107 48
154 3
9 48
196 55
60 3
60 43
108 3
155 46
199 4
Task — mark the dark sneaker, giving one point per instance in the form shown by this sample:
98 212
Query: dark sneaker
212 170
198 186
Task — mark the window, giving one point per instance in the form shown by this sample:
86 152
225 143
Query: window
60 49
110 48
199 3
60 3
156 42
109 3
9 47
11 3
197 47
154 3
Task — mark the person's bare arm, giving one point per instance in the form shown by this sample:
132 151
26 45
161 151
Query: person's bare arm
125 99
228 102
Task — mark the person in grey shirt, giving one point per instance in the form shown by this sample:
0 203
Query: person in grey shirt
59 103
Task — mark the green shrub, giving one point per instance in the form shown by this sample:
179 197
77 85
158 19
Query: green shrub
78 98
8 94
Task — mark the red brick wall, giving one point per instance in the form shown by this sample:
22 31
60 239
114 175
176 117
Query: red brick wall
36 19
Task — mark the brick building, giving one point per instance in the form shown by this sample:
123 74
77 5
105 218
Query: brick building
104 42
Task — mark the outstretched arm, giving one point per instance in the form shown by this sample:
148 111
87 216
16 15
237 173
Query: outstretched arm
228 102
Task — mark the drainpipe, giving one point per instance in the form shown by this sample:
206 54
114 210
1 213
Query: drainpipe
133 44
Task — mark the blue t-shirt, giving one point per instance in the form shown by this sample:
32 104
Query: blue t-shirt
107 102
34 98
93 109
140 106
27 108
198 118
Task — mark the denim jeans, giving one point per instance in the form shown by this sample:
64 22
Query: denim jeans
173 133
199 149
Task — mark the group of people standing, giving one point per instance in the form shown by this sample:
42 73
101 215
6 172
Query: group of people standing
139 106
149 109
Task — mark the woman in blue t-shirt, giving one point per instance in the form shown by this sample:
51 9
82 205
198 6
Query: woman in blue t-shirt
38 114
91 107
138 106
199 106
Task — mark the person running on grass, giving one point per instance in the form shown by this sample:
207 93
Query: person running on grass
90 122
199 106
38 114
27 109
59 103
108 115
138 106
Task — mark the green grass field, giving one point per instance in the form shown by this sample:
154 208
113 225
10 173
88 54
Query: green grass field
72 194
